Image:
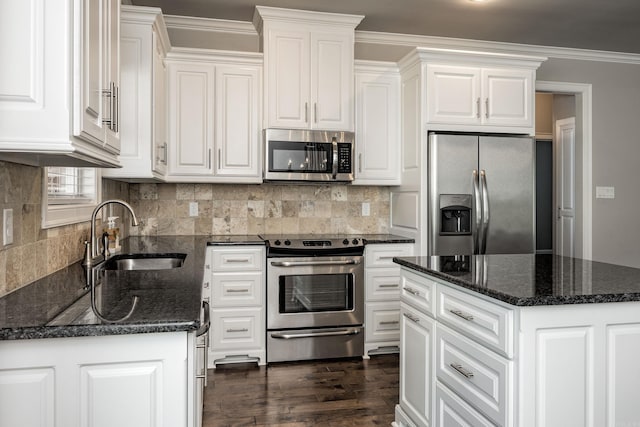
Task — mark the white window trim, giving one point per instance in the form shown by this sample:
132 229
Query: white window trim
57 215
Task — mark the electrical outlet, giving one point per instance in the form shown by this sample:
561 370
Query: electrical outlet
366 209
193 208
7 226
605 193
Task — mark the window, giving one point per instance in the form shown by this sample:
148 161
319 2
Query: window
70 195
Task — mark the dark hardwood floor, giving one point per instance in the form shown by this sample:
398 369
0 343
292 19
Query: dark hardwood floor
331 393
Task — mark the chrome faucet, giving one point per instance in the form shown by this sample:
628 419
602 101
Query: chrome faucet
90 258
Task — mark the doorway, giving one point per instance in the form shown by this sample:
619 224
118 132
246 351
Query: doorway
563 145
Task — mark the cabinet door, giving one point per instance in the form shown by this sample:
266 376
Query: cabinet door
378 128
191 92
508 96
287 68
91 105
331 81
416 364
453 94
237 127
159 140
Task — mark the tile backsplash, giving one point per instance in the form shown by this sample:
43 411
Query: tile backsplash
37 252
259 208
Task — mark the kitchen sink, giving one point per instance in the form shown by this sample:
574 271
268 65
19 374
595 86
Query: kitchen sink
145 261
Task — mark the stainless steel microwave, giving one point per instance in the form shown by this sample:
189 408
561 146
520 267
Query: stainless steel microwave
308 155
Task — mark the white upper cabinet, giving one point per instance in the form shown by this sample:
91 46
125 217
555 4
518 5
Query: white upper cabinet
214 116
377 123
486 96
143 45
59 98
476 91
308 59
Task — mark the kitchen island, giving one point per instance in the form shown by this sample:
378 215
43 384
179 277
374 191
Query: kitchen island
518 340
64 363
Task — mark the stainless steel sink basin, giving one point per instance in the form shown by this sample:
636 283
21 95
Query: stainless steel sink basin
145 261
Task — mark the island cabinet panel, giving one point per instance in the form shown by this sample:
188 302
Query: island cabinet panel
129 380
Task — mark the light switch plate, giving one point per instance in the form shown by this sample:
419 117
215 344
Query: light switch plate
193 208
366 209
7 226
605 193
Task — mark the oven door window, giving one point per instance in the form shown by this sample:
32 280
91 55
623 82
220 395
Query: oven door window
304 157
315 293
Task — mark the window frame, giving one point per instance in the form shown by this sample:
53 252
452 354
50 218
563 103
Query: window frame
59 212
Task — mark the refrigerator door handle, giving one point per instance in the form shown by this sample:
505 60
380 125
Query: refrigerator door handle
485 211
477 212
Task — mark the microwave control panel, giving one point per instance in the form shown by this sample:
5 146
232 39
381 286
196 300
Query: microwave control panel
344 158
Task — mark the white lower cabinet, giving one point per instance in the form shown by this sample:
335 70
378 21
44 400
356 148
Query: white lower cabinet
118 380
382 297
475 361
238 324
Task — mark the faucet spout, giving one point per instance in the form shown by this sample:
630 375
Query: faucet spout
93 239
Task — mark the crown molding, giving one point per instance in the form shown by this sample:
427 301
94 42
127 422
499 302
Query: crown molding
496 47
410 40
208 24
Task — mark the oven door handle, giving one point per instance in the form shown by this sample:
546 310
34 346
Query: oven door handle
311 263
334 333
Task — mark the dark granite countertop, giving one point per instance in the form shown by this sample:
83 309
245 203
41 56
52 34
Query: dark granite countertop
386 238
532 280
59 305
230 240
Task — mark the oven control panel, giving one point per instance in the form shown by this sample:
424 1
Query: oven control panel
312 246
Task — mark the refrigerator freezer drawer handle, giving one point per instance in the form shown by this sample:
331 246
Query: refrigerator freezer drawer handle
485 211
477 209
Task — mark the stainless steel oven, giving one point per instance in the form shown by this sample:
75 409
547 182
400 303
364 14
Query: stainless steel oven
315 298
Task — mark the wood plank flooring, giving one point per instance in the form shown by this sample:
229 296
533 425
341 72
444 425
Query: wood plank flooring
326 393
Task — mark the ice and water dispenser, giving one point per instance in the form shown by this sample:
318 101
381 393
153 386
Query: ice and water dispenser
455 214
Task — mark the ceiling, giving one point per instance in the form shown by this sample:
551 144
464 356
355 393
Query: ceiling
611 25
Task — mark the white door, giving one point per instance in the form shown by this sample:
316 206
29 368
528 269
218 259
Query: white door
565 141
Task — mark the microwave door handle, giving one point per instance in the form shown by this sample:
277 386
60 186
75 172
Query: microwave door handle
334 145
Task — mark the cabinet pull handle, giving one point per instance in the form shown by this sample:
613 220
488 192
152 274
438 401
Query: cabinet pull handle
394 285
236 260
462 371
209 160
206 285
315 112
238 330
462 315
386 257
478 108
486 108
412 291
219 157
109 94
360 162
116 102
306 112
163 159
411 317
229 291
392 322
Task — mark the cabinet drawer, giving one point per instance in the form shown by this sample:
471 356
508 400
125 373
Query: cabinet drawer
418 291
238 328
381 255
382 321
238 259
476 318
451 411
237 289
383 284
478 375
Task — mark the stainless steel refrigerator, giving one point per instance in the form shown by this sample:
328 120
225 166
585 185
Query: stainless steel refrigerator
481 194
